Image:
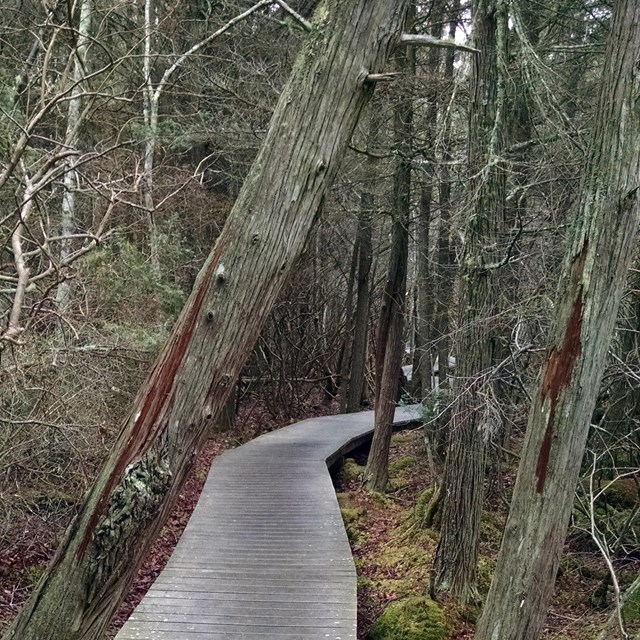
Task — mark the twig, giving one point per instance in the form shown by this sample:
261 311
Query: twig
429 41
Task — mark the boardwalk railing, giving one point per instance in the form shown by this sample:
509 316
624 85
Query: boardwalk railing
265 554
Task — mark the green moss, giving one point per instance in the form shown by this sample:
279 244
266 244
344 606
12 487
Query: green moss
401 464
491 528
381 499
631 608
484 573
351 471
352 518
33 574
404 557
424 499
401 471
363 583
414 618
402 437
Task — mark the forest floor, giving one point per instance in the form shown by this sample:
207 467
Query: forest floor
393 550
23 562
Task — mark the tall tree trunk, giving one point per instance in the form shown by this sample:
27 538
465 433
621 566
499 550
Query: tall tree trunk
390 334
74 122
446 257
365 259
347 347
189 383
151 103
590 289
421 381
355 386
473 420
421 375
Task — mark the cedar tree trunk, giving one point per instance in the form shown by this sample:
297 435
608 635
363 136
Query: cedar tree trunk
390 334
189 383
473 421
355 387
589 294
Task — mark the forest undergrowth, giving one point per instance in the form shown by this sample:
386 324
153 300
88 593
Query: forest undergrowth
42 523
393 552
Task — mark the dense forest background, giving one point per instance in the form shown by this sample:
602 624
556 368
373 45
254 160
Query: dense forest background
127 128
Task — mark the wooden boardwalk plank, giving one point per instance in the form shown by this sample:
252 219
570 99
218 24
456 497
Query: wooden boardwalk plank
265 554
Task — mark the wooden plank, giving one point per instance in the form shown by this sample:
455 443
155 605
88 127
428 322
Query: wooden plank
265 554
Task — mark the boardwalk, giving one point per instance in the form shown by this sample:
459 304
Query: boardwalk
265 554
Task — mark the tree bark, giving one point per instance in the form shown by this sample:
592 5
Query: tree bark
473 419
192 378
74 122
590 289
347 346
421 379
363 288
390 335
446 256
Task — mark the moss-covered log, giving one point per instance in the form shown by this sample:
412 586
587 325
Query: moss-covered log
190 382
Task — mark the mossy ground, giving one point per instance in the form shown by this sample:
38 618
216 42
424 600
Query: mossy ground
414 618
394 552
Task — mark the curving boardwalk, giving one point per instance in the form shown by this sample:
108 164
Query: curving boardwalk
265 554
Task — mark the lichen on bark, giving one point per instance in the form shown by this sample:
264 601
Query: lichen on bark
136 500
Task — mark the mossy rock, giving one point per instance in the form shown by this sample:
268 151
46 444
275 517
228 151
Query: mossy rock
414 618
622 494
351 471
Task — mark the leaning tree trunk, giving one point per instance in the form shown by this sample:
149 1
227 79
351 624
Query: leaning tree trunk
589 294
456 555
215 333
390 333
